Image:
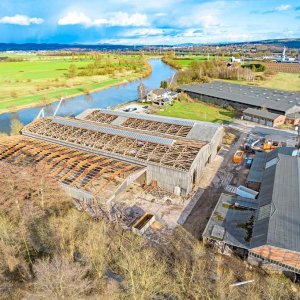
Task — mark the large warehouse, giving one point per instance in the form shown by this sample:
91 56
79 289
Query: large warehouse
266 228
101 152
244 96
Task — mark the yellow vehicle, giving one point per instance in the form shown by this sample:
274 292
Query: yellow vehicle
238 157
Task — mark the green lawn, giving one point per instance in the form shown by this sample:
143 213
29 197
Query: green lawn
185 62
280 81
40 79
198 111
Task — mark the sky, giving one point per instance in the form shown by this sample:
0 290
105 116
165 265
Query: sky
147 22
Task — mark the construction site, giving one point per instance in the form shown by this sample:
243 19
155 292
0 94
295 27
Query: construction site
114 163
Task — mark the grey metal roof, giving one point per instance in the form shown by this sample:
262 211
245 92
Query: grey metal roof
232 220
257 167
114 131
203 132
259 162
295 115
277 220
261 113
256 96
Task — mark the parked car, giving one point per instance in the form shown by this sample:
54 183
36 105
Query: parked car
130 109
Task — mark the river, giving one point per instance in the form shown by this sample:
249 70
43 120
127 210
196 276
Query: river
109 97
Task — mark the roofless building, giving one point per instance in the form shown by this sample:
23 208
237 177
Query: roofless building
100 153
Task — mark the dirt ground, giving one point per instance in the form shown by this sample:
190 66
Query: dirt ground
165 206
217 176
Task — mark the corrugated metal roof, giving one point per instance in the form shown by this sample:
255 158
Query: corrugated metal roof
278 217
257 167
256 96
232 220
114 131
203 132
261 113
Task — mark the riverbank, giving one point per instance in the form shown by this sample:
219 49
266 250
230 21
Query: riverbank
71 87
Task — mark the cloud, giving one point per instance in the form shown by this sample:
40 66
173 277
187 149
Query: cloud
205 20
117 19
280 8
283 7
160 14
21 20
143 32
74 18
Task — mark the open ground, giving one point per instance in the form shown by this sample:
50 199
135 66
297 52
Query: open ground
27 80
279 81
199 111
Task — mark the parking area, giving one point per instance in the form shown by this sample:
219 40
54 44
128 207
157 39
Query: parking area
134 107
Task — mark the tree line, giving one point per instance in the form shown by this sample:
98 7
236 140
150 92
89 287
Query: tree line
51 250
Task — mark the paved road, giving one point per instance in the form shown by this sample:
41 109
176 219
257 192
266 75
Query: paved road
199 216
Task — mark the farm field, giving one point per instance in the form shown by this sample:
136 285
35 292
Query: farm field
185 62
45 78
280 81
197 110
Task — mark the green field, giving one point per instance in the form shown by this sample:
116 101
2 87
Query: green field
185 62
280 81
42 79
198 111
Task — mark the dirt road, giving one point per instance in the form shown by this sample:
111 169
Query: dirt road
199 216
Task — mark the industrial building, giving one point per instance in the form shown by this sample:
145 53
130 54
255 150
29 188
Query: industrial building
245 96
267 229
263 117
98 154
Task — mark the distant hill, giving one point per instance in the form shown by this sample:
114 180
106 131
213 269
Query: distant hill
289 43
48 47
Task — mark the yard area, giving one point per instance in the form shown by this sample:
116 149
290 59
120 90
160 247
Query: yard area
197 110
33 79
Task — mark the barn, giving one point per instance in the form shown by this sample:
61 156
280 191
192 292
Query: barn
99 153
242 97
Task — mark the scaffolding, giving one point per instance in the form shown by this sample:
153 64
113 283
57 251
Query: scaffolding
177 155
98 175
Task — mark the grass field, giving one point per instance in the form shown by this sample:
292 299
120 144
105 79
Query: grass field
185 62
198 111
42 79
280 81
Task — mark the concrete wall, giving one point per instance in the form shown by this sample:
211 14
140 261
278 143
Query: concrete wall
279 121
168 179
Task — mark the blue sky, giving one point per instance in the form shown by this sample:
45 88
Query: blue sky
147 22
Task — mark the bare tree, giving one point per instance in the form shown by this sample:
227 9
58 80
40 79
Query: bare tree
60 278
16 126
94 246
142 91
